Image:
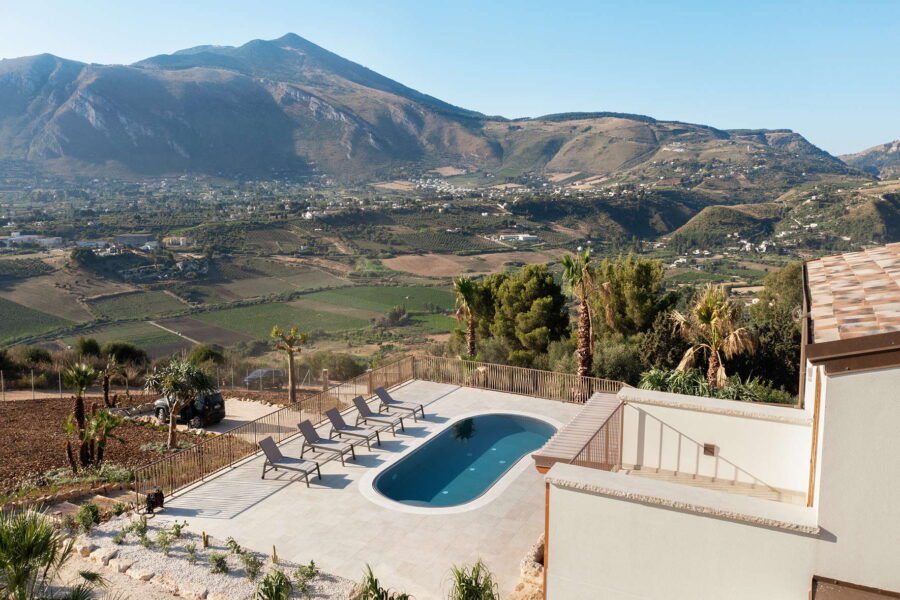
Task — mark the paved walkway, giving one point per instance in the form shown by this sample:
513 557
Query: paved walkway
334 524
238 412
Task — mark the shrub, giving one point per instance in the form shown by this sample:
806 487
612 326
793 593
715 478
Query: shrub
139 526
692 382
190 551
118 507
274 586
618 359
164 539
233 546
87 516
120 536
178 528
475 583
252 565
370 589
303 575
218 562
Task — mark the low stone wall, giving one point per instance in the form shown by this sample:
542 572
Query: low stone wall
531 574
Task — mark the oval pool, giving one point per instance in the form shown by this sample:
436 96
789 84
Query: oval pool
463 461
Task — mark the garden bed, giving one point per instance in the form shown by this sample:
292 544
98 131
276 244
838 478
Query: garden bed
35 440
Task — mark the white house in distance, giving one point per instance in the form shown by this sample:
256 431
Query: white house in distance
659 496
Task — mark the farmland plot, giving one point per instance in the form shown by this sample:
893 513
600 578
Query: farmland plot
136 304
17 320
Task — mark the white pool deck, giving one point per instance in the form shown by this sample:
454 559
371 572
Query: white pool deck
338 524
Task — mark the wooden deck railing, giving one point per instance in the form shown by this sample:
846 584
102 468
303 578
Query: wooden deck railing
604 449
205 458
194 464
566 387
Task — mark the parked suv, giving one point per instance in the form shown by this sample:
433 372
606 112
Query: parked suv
265 378
207 409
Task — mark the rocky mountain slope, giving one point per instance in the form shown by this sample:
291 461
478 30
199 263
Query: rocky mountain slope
882 160
289 107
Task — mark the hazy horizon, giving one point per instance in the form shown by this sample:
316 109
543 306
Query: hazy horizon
821 69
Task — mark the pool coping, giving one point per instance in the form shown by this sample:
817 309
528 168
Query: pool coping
366 483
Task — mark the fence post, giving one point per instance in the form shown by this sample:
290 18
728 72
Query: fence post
59 379
324 380
2 385
371 385
32 384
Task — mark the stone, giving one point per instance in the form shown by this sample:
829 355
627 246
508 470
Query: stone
84 547
218 596
192 592
166 582
103 555
121 564
140 574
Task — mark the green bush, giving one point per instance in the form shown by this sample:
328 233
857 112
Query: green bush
118 507
371 589
692 382
252 565
218 563
87 516
274 586
190 551
164 539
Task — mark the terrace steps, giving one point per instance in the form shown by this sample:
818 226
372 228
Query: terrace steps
571 439
761 491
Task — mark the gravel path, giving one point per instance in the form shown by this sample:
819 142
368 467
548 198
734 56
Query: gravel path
175 573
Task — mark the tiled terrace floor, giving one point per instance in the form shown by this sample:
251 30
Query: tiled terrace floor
335 525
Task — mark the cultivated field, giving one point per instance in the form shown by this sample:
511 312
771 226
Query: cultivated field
380 299
17 320
204 332
450 265
155 341
136 304
256 321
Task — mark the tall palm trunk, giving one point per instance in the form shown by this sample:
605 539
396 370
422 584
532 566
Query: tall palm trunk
173 417
470 337
106 390
585 350
292 392
712 372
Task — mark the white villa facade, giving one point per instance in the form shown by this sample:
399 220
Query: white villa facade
713 499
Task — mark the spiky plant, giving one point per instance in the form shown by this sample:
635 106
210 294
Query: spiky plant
465 310
78 378
473 583
32 552
713 326
370 589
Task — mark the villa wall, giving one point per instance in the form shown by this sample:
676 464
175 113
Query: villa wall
614 544
859 482
756 443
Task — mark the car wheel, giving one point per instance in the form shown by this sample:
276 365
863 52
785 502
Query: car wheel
161 415
196 423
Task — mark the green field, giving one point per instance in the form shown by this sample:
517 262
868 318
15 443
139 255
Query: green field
380 299
138 304
436 323
257 320
17 320
140 334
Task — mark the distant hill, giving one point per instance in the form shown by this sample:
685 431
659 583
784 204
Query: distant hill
288 107
882 160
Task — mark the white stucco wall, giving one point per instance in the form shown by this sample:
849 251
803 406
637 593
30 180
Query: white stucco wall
767 444
607 548
859 484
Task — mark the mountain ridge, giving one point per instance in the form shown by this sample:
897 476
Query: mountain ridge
289 107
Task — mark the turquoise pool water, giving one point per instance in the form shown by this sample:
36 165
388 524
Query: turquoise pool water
463 461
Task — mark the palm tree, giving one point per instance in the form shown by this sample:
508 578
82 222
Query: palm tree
78 378
32 554
465 290
289 342
578 273
713 325
179 382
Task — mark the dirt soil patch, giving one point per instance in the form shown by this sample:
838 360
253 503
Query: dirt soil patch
450 265
35 440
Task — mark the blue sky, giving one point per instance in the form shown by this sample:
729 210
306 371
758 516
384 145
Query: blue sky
826 69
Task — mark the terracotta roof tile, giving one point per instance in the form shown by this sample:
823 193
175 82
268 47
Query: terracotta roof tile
855 294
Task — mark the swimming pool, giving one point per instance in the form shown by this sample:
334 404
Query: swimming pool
463 461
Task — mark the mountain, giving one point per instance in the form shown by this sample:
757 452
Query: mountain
882 160
289 107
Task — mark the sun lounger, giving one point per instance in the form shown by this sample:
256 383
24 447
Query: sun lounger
276 460
367 415
387 402
340 427
312 439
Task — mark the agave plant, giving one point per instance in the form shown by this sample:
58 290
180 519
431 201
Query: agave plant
473 583
274 586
